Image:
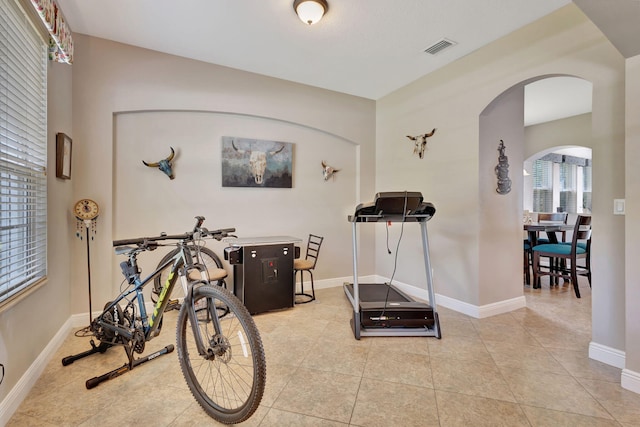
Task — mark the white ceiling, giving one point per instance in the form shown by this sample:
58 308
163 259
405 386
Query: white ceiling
366 48
556 98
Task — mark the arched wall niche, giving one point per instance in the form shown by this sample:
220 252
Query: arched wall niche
171 205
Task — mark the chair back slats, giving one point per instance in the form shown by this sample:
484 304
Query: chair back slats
554 218
560 217
582 230
313 248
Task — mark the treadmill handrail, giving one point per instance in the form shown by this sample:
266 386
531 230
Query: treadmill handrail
392 218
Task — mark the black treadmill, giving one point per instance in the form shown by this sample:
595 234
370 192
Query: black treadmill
381 309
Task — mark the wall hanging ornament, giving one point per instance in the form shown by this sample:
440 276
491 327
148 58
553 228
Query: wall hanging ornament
86 212
420 142
328 171
164 165
502 171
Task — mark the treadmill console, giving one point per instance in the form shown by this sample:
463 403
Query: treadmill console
395 206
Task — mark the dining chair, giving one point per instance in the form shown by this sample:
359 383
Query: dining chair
559 236
579 248
527 261
555 218
543 217
307 264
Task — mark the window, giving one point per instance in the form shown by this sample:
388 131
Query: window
23 152
561 183
542 186
568 188
585 171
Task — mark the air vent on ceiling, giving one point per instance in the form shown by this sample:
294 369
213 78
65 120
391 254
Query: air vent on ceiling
439 46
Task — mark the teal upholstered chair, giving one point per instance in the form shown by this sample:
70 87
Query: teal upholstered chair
579 248
543 217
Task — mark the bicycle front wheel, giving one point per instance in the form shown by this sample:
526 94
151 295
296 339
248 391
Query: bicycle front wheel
228 380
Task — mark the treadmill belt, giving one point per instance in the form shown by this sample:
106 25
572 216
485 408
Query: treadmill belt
397 310
374 292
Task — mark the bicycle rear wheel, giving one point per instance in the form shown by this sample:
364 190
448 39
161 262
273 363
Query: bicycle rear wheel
201 255
228 382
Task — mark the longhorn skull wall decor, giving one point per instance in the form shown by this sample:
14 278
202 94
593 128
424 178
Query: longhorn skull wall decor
328 171
256 163
164 165
420 142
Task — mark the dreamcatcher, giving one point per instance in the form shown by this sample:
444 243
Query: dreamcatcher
86 212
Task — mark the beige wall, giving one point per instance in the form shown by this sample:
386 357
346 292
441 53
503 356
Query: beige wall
131 104
29 325
311 206
572 131
455 174
632 221
503 121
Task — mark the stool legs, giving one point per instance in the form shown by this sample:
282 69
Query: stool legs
309 297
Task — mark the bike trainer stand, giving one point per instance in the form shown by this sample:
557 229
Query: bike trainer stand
132 363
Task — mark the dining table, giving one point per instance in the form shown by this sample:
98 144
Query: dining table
550 228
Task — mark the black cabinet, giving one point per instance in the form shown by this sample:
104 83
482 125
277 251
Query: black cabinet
263 272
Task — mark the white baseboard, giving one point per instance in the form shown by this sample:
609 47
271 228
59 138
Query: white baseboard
19 392
501 307
478 312
330 283
630 380
80 320
601 353
608 355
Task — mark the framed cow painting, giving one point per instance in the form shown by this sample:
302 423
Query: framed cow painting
256 163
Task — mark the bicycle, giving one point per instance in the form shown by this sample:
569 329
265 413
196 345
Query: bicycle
219 347
201 255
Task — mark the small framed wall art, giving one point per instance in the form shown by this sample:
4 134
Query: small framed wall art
63 156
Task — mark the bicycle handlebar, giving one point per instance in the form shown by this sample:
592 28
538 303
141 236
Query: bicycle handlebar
216 234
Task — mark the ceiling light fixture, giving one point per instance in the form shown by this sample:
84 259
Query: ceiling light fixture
310 11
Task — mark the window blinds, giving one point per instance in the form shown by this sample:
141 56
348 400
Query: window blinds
23 152
568 187
542 186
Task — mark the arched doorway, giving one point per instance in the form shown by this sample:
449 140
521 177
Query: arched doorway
501 215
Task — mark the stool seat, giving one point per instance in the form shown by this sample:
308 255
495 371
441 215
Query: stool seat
303 264
215 274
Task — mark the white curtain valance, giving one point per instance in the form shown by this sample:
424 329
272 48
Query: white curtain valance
61 42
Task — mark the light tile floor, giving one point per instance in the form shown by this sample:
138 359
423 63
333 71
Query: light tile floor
525 368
